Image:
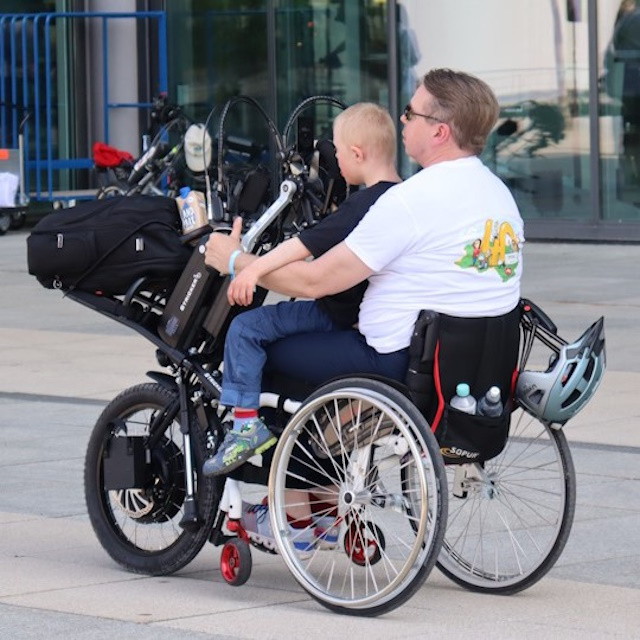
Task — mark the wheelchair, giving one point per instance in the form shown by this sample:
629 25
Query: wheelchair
395 492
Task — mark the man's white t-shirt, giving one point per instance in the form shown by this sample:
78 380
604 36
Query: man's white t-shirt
448 239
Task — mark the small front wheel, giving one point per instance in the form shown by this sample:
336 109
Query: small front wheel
236 562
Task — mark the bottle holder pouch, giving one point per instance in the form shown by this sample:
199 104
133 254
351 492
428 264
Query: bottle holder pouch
465 438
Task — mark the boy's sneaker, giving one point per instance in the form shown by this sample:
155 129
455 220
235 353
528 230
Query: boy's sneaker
256 522
326 531
252 438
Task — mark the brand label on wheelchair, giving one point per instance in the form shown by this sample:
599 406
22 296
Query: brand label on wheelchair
456 452
191 289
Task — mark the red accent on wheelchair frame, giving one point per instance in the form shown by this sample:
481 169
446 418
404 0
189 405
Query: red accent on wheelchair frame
438 386
235 526
514 381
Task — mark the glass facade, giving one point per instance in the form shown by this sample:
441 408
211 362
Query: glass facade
619 73
567 142
566 72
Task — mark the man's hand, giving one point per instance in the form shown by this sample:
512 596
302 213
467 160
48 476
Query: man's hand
242 287
220 246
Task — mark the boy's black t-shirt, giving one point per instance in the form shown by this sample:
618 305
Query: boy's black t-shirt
343 307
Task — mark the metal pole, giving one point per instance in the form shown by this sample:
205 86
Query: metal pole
595 169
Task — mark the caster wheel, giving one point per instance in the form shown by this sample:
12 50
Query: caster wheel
235 562
364 543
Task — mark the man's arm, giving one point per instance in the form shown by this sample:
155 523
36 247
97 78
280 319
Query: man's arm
335 271
243 286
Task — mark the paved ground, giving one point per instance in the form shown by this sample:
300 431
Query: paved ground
60 363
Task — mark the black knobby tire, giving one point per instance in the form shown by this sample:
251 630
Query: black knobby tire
510 524
139 528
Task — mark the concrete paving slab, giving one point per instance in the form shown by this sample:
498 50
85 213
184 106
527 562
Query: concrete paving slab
19 623
153 599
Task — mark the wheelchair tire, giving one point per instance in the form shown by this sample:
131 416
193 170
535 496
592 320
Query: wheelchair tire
139 527
348 444
510 518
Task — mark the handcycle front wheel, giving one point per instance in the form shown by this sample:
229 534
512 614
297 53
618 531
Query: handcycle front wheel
139 526
510 517
347 449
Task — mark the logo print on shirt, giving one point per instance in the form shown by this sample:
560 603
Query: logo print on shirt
499 249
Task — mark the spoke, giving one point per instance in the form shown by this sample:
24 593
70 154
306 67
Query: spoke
327 450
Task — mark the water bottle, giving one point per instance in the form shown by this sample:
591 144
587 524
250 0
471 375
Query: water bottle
463 400
490 404
193 211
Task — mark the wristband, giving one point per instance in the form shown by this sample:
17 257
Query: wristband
232 263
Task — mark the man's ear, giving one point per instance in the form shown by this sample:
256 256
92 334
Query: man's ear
443 132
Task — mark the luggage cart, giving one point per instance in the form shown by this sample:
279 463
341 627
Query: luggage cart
13 199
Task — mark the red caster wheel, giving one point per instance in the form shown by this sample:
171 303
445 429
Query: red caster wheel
364 543
235 562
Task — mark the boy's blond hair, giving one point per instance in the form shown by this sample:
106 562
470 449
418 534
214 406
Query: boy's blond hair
370 127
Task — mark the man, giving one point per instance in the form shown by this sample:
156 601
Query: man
415 245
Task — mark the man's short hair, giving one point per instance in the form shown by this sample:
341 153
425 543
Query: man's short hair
466 103
369 126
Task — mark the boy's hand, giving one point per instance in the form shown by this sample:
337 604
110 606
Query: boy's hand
220 246
242 288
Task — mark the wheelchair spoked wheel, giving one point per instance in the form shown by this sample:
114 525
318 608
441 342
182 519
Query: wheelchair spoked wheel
510 518
348 448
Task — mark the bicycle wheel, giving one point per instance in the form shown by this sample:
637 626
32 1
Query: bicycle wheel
139 526
110 191
347 449
510 518
5 223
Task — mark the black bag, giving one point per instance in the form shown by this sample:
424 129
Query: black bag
482 352
105 245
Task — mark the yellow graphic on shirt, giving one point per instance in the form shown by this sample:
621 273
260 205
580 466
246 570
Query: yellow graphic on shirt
499 249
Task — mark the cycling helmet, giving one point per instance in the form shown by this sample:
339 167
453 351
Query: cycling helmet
197 147
557 394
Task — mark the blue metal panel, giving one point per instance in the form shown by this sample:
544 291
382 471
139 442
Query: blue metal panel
16 98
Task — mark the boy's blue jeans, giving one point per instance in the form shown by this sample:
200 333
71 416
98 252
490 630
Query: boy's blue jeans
248 336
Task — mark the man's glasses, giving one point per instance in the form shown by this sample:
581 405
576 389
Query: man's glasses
409 113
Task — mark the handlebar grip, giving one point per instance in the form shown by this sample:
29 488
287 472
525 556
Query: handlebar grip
531 307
